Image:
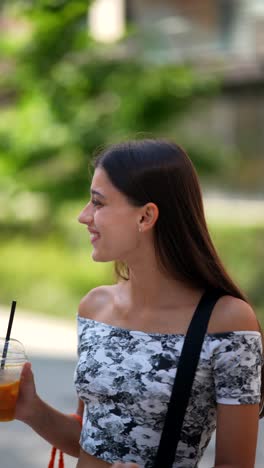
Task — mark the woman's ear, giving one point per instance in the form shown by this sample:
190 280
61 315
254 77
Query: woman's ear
149 216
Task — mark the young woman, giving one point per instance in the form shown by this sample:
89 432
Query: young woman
146 214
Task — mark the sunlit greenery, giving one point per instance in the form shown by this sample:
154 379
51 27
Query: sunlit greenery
51 275
62 97
242 250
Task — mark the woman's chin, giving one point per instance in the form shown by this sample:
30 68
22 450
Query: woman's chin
100 257
96 257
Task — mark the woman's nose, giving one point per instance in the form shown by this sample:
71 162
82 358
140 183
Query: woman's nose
85 217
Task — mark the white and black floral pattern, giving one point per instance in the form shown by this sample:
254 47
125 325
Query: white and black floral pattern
125 379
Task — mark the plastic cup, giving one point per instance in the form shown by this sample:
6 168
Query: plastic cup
10 372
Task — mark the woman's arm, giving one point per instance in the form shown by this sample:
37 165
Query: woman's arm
236 435
60 430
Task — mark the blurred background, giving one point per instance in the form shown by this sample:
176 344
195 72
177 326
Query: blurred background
78 75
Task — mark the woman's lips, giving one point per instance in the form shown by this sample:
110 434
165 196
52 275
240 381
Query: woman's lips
94 238
94 235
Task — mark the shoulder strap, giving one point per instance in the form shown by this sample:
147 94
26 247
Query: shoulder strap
184 379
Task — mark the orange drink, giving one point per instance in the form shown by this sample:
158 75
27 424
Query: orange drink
10 369
8 398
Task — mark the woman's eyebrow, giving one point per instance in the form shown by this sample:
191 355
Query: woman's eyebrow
95 192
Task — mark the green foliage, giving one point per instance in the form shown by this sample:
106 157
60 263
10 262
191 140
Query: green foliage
242 250
68 97
47 275
62 97
51 274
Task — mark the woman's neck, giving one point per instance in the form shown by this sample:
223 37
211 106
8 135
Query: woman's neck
149 288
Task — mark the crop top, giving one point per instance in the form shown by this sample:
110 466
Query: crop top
125 378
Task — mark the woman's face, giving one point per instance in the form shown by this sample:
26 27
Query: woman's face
112 221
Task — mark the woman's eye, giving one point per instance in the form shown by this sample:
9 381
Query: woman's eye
96 202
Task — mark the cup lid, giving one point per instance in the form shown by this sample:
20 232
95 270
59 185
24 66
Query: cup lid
15 351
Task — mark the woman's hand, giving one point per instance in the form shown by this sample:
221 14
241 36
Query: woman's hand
27 397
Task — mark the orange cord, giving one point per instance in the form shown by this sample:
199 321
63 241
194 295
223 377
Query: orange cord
54 450
61 461
52 458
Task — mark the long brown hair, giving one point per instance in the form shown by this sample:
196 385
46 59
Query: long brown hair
160 171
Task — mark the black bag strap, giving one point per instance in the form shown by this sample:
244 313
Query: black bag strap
184 379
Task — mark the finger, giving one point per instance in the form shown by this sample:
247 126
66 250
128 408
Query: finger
26 371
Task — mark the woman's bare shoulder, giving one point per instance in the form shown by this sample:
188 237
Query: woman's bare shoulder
232 314
97 301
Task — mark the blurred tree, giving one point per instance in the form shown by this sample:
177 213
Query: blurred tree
64 96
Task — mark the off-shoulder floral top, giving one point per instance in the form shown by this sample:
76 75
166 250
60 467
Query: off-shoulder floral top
125 379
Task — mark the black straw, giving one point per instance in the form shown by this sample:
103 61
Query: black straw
8 333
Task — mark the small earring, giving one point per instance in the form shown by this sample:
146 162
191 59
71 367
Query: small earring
139 229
